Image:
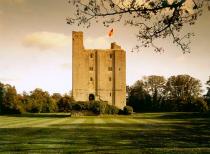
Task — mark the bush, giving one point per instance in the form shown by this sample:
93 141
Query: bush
110 109
65 104
97 107
100 107
79 106
128 110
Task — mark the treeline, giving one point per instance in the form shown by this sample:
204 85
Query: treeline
151 94
39 101
181 93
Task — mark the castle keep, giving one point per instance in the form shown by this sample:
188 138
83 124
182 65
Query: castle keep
98 74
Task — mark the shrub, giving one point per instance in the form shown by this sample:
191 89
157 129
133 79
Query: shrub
65 104
100 107
128 110
110 109
96 107
79 106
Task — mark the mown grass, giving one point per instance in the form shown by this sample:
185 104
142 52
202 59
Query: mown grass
139 133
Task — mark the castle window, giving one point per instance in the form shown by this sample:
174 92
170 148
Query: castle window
110 79
110 56
109 68
91 55
110 94
91 79
91 68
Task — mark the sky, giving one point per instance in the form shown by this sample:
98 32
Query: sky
35 47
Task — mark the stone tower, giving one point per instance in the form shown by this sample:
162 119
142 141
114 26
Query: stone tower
98 74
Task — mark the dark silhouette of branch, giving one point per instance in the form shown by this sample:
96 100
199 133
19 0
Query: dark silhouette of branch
154 19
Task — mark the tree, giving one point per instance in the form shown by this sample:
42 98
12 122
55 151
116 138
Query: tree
11 102
38 101
57 97
139 98
155 86
153 18
208 88
207 96
1 96
182 90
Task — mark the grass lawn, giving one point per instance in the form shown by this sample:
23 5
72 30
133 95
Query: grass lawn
140 133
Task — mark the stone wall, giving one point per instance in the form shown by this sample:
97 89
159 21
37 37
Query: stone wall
101 73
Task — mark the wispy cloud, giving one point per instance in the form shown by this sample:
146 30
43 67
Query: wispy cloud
46 40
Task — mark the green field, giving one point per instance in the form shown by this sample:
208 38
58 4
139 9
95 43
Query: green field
140 133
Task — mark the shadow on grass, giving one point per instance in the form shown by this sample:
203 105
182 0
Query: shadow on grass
173 115
192 136
40 115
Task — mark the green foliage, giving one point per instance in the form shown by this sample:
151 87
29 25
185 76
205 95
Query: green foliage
38 101
10 102
183 87
96 107
207 96
155 93
100 107
49 106
65 104
111 109
199 105
1 96
128 110
79 106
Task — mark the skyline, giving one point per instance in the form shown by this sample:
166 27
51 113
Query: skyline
35 47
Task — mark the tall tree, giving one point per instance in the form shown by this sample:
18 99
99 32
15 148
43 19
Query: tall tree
183 87
153 18
11 103
155 86
207 96
182 91
37 100
139 98
208 87
1 96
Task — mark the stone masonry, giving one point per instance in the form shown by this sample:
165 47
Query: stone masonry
98 74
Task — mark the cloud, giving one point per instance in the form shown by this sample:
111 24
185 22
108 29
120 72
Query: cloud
102 42
46 40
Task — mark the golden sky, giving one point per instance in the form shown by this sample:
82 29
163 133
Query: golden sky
35 47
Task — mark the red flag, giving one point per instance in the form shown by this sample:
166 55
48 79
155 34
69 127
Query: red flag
111 32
